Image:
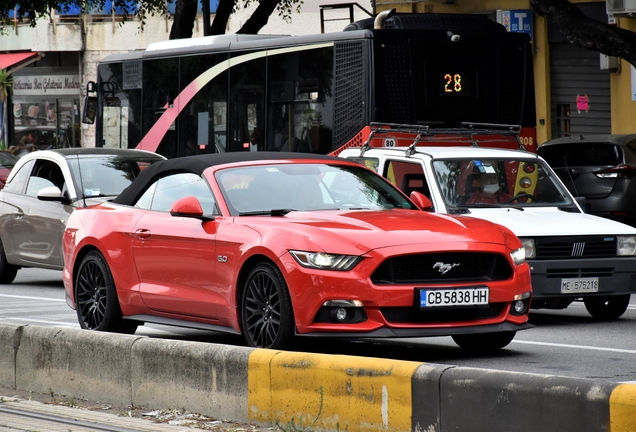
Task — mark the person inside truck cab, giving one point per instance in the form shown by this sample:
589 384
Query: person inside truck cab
487 187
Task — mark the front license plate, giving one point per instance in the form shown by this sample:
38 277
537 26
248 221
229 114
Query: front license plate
454 297
579 285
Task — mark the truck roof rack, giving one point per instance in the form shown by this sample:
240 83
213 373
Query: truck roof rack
473 134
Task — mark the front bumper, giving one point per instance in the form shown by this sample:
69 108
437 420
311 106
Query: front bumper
617 276
388 332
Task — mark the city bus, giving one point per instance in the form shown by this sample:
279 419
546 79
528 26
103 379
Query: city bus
319 93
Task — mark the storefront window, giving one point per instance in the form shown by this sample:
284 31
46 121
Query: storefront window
46 111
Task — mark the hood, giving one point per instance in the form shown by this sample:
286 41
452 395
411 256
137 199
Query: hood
369 230
550 221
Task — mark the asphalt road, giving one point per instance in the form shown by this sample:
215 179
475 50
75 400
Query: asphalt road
566 343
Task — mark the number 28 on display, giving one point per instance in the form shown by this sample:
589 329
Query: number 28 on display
452 83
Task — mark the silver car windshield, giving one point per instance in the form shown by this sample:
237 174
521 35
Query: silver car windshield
499 182
280 188
107 175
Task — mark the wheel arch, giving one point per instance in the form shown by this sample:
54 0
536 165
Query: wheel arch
245 270
76 264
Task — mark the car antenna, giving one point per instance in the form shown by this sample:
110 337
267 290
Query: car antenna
79 170
567 169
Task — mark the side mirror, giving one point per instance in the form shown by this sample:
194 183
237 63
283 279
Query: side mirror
90 110
421 201
188 207
51 193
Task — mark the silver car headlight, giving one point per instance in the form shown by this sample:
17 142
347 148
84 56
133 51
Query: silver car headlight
325 261
519 256
529 247
626 245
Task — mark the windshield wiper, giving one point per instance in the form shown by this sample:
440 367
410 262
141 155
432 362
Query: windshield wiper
569 209
272 212
483 205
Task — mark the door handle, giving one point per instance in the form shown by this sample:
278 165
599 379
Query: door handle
142 234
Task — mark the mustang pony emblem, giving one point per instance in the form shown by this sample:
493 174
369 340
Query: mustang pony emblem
444 268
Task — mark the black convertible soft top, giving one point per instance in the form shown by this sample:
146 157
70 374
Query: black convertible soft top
199 163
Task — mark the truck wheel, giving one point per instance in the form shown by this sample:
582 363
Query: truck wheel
607 308
484 341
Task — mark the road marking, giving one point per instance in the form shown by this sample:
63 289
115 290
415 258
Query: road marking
56 323
31 298
585 347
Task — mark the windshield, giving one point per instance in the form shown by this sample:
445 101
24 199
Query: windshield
107 175
498 182
269 189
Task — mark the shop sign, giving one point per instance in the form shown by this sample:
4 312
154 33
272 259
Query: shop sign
516 21
38 85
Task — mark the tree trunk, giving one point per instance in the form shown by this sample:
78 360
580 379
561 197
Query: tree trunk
223 12
259 18
586 32
184 16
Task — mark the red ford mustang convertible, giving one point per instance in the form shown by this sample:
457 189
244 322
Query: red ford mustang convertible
278 245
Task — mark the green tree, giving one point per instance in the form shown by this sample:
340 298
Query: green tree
184 18
6 85
586 32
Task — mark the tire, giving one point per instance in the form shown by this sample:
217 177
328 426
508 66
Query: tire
96 297
484 341
7 271
266 315
607 308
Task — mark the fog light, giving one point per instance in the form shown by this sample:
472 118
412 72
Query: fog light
520 307
341 314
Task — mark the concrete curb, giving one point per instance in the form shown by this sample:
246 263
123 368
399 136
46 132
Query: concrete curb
313 391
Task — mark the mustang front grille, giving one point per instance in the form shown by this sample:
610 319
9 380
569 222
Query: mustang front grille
443 267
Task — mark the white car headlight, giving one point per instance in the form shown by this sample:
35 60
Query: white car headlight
626 245
518 256
529 246
325 261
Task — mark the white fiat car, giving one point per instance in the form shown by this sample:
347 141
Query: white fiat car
573 256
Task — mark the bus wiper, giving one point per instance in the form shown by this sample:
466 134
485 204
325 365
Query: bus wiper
457 210
272 212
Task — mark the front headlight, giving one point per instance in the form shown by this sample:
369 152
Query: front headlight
529 246
518 256
325 261
626 245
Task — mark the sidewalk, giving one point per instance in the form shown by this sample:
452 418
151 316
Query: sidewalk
29 415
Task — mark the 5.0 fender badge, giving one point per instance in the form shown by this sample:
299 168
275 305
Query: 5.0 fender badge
444 268
222 258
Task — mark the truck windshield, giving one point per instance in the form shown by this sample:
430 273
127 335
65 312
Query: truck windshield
499 182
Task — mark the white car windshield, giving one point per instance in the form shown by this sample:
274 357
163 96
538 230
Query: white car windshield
499 182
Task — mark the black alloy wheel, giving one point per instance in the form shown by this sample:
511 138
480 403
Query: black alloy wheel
8 271
484 341
267 319
607 308
96 297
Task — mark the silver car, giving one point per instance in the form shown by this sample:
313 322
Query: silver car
44 188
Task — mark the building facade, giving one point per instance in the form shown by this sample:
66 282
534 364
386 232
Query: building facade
576 90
